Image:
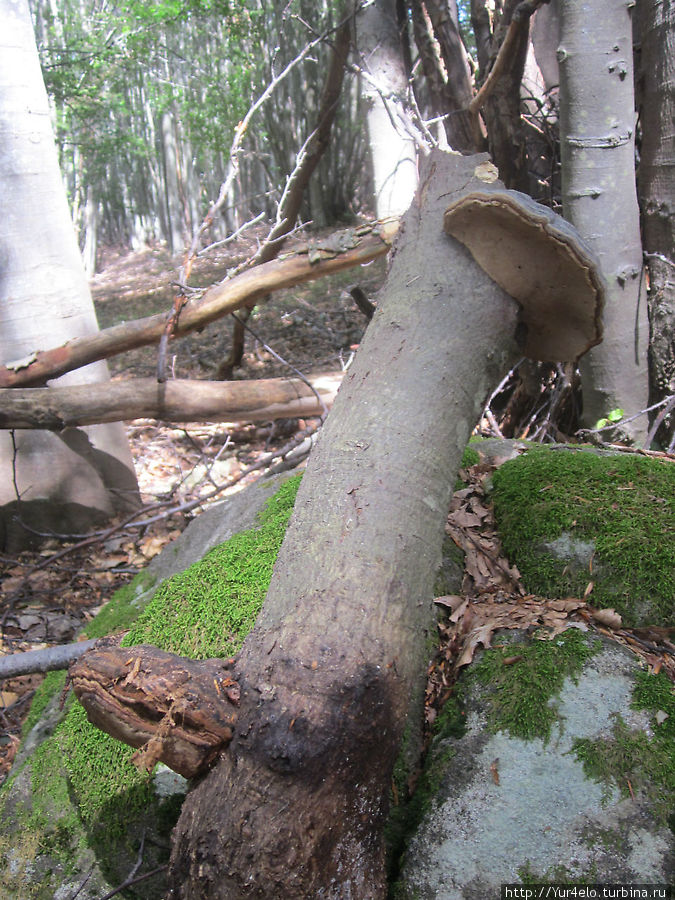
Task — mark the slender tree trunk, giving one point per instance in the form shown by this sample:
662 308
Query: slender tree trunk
335 666
65 481
599 198
444 62
174 213
506 135
384 86
657 192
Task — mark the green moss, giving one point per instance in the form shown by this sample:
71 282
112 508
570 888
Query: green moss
122 608
555 875
633 760
408 808
205 611
622 504
519 693
471 457
52 684
208 610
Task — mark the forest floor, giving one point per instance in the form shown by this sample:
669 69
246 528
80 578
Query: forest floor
48 595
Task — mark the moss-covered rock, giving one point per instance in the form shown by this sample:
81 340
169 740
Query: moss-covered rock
568 517
74 802
536 789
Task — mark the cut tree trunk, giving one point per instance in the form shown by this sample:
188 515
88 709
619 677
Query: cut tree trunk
334 669
173 401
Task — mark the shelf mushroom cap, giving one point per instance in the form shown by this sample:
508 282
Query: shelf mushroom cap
538 258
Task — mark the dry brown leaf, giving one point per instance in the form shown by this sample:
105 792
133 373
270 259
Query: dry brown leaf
608 617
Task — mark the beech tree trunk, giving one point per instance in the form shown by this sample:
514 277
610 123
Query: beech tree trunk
657 193
384 86
70 481
597 138
336 664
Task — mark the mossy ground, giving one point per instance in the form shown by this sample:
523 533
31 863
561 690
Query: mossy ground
205 611
624 504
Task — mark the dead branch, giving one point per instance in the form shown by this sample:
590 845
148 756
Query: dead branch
316 259
518 25
173 401
47 660
291 200
175 710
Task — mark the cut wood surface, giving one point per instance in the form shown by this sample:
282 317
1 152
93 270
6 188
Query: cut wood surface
338 251
261 400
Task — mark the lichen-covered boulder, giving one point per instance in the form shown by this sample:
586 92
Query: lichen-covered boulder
554 764
75 813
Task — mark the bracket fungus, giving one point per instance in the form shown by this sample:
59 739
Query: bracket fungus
541 261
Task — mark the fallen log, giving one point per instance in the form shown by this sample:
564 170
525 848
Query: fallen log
341 250
56 408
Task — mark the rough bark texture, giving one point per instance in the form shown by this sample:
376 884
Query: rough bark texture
599 198
444 62
657 192
68 482
173 401
335 666
506 136
176 711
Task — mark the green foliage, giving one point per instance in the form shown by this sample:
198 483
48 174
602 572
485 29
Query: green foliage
634 761
612 418
623 504
520 692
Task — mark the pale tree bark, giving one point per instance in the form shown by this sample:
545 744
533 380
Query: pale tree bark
656 184
175 225
335 666
384 87
599 197
69 481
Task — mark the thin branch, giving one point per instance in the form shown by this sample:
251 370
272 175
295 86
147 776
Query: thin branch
519 20
47 660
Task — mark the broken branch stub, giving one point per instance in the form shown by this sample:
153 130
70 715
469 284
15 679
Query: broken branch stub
541 261
174 710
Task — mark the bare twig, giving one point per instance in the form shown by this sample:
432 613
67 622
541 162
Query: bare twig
47 660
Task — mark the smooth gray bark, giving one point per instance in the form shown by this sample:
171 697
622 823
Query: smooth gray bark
72 480
597 134
336 664
384 86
